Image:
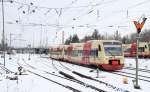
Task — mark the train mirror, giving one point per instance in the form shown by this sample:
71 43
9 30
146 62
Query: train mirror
99 47
145 46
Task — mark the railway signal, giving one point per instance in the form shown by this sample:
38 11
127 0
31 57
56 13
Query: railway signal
138 26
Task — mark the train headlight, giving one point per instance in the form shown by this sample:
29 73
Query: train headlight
114 62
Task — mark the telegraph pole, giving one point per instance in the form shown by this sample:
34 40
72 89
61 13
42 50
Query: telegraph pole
41 39
3 33
29 48
62 37
10 46
138 27
63 43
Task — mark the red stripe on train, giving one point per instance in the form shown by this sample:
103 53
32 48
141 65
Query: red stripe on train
86 53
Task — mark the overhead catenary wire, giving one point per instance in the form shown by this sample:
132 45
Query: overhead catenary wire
60 11
88 5
138 4
72 26
42 7
53 8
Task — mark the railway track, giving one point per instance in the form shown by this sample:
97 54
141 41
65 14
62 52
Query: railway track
139 69
37 74
69 78
77 80
15 63
6 69
90 78
128 72
132 74
129 76
66 86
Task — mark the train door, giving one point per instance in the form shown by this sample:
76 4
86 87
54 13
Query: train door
149 50
100 54
86 53
94 56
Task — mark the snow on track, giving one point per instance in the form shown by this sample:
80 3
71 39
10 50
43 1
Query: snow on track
45 68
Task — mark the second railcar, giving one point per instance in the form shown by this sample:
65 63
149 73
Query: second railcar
143 50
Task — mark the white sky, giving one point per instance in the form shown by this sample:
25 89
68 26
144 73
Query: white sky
110 12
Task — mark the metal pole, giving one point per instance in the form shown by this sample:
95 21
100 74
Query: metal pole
63 43
62 37
10 47
29 46
3 34
41 41
97 72
33 45
137 46
46 40
138 27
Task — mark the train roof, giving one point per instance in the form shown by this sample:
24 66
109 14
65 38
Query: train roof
75 43
126 44
135 43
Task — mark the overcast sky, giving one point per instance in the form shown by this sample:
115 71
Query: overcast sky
70 16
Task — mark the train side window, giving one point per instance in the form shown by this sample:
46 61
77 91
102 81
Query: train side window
99 47
79 53
92 53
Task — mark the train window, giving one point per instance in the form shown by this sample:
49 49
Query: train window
79 52
75 53
99 47
141 49
94 53
128 50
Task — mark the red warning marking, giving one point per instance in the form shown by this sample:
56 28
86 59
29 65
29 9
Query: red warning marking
139 25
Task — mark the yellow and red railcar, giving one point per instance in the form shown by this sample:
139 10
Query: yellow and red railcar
106 54
143 50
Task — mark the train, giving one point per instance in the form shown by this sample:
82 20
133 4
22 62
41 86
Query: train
143 50
105 54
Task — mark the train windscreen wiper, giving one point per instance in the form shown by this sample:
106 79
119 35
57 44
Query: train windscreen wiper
111 53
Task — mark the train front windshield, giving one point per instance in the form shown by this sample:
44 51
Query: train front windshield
112 48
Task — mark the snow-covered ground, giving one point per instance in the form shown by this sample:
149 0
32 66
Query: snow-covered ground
29 82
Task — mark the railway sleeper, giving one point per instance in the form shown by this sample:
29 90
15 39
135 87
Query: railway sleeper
74 90
68 87
66 75
107 84
81 75
80 82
